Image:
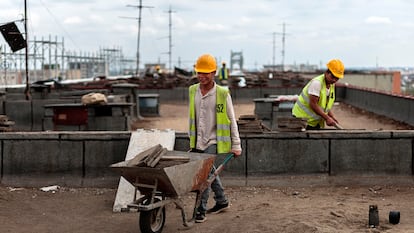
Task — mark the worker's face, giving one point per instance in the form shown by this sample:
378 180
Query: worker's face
330 78
206 78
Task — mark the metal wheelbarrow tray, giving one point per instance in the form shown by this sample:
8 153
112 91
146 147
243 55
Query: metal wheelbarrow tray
176 174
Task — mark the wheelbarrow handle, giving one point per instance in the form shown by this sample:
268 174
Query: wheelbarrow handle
227 159
221 167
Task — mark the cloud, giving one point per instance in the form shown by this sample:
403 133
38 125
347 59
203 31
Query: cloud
97 18
73 20
201 26
223 25
378 20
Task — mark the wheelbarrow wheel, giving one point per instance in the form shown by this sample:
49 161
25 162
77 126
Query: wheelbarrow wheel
152 221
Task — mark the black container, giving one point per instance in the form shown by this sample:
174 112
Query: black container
373 216
394 217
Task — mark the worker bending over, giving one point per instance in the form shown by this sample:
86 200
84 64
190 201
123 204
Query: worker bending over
318 96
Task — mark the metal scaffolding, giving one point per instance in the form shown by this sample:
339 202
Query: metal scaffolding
48 59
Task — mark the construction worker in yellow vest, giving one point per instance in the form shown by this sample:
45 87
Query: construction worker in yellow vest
213 127
193 72
223 74
318 96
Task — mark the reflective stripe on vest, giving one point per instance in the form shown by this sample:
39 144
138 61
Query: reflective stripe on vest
302 108
223 122
192 128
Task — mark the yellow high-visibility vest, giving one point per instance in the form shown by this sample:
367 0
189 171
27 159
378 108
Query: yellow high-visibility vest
223 74
302 108
223 122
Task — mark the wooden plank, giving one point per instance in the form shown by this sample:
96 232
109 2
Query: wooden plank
248 117
140 157
174 158
150 157
153 157
157 159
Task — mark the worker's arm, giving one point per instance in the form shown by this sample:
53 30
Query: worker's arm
329 119
234 130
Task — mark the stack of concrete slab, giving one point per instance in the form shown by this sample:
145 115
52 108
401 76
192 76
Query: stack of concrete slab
251 124
291 124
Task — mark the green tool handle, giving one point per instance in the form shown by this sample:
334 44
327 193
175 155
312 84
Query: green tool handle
221 167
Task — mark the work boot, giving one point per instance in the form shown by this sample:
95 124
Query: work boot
218 208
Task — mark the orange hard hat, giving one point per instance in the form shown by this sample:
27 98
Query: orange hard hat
336 67
206 63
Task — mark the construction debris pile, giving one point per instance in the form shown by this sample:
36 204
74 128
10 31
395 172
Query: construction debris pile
156 156
251 124
178 78
6 124
288 79
248 80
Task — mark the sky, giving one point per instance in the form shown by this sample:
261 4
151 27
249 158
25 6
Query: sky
362 33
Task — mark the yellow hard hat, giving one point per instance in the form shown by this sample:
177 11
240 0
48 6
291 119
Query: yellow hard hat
336 67
206 64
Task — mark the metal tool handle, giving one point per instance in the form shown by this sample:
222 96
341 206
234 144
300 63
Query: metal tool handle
220 168
338 126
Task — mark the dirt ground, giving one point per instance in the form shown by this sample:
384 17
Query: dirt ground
305 208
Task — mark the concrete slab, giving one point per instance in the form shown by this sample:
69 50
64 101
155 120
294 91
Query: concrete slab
140 140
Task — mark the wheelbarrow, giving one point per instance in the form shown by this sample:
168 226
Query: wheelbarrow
166 183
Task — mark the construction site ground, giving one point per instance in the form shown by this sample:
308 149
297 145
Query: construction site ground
287 208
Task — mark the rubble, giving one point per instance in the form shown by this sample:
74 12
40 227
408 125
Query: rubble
6 124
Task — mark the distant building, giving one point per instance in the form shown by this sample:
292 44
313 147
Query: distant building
80 70
293 67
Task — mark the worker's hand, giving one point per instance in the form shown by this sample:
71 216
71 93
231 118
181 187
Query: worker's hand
333 118
331 115
331 121
236 153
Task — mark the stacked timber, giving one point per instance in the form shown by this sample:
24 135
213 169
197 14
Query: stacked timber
291 124
251 124
5 124
155 155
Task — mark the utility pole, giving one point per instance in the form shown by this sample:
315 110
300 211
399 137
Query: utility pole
283 45
27 90
140 6
170 38
274 51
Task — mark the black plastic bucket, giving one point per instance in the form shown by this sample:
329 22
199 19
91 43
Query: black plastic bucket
394 217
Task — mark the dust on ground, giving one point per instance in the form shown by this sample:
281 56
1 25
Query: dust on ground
306 208
253 209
